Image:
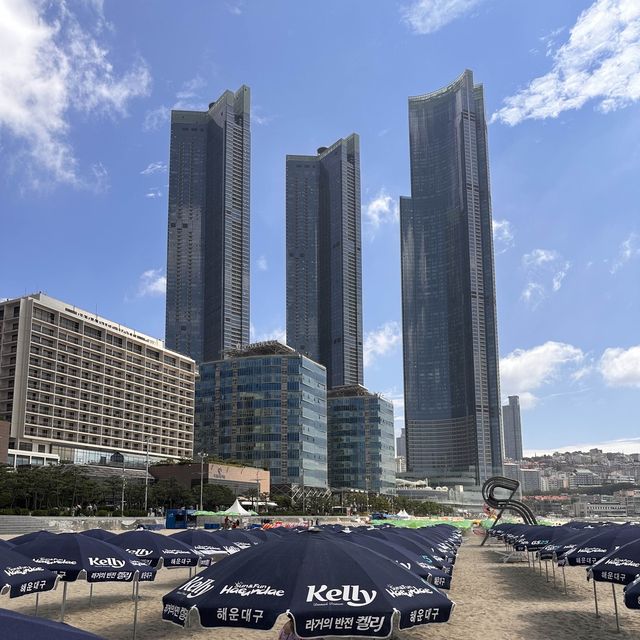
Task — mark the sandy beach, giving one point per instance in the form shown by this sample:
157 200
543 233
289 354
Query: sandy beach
493 600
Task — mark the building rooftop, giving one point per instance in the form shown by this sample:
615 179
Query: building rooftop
349 391
267 348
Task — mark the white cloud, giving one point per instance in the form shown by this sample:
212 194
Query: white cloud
502 235
545 270
599 62
262 264
258 117
524 371
381 342
188 97
629 249
383 209
621 367
152 283
427 16
277 333
50 66
154 167
153 193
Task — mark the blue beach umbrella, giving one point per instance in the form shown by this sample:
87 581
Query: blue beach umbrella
73 556
334 589
16 626
28 537
19 576
207 543
621 566
239 538
409 560
156 550
600 544
99 534
632 595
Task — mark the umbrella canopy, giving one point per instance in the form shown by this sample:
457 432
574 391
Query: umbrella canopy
156 550
99 534
621 566
69 554
16 626
336 589
239 538
206 542
19 576
411 561
603 542
632 595
565 540
28 537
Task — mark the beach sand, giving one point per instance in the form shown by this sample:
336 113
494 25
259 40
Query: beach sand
493 600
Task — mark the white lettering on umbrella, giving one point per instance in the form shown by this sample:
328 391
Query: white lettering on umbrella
351 595
21 571
197 587
107 562
242 589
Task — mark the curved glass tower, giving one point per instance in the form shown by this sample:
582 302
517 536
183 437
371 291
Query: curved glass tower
451 381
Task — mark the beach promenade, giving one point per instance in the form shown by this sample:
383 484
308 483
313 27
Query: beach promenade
493 600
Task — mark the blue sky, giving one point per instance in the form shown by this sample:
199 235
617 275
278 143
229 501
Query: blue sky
85 94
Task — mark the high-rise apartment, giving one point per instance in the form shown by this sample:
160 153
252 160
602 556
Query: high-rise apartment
452 396
208 234
77 387
512 427
324 259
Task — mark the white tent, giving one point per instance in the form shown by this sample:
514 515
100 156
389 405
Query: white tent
402 514
236 509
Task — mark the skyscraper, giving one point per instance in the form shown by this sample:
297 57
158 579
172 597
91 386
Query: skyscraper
208 233
324 259
512 429
452 398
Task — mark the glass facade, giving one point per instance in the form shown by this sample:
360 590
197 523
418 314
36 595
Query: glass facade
324 259
361 441
452 395
512 429
208 233
267 411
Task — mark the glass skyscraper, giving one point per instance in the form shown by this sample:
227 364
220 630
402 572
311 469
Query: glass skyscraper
361 440
266 405
208 233
451 381
512 429
324 259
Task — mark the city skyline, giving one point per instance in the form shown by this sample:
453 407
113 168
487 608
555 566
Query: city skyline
563 200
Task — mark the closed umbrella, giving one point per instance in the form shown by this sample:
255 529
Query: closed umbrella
333 589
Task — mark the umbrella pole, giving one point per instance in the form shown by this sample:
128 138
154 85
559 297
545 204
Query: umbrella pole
615 606
528 559
90 594
553 571
37 602
546 569
136 586
564 579
595 597
64 601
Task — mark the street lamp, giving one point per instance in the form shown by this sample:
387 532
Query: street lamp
146 479
202 455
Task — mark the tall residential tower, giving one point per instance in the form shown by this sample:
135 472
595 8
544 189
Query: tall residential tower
452 396
324 259
208 233
512 429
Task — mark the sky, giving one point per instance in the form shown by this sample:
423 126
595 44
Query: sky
86 89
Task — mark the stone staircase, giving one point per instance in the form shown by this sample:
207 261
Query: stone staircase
16 525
